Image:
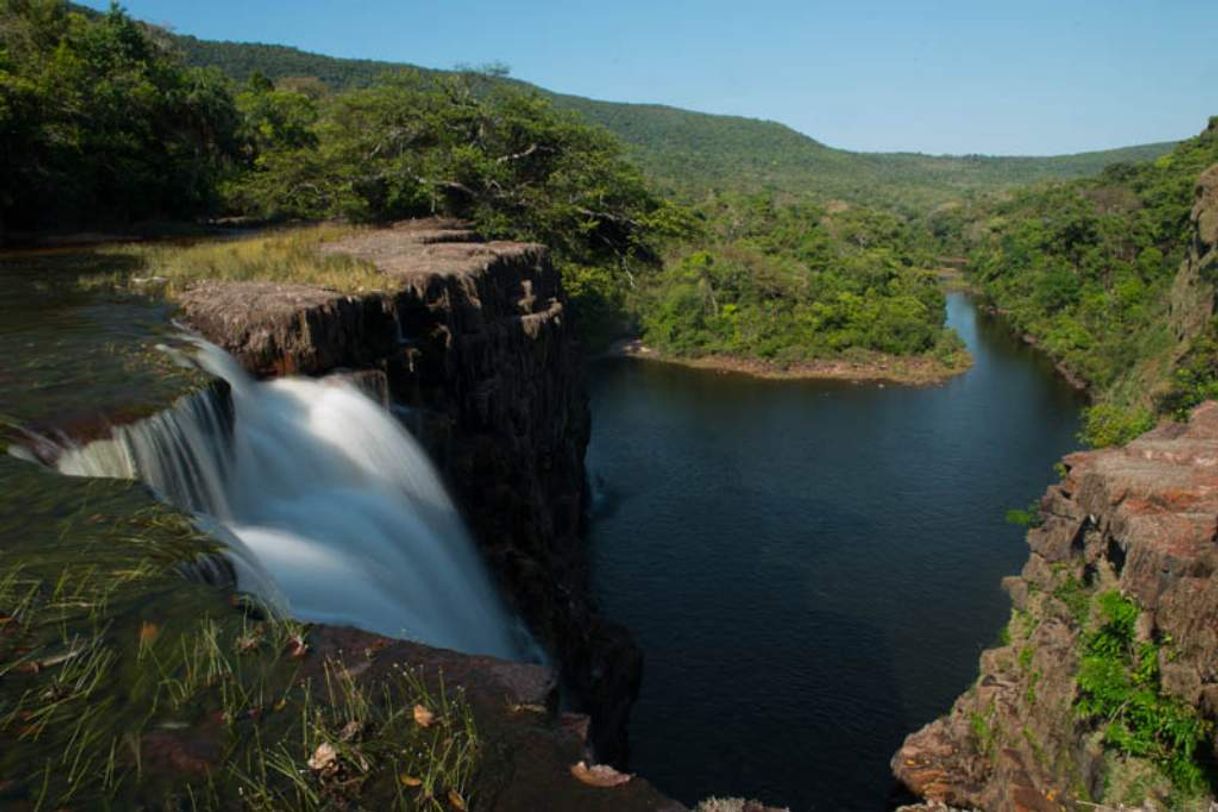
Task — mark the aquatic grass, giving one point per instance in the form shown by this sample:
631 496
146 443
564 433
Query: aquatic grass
289 255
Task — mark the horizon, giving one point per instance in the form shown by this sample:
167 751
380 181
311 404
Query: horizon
937 82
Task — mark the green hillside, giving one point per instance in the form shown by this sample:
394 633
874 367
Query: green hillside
691 153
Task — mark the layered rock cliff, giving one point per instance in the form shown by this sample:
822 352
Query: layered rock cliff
470 344
1131 529
1141 520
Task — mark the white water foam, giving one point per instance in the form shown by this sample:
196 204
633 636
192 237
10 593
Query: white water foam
330 509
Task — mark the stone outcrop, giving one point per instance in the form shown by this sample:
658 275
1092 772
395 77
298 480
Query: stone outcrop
1141 519
519 720
470 343
1192 294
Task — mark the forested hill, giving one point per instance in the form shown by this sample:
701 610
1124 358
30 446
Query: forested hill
692 152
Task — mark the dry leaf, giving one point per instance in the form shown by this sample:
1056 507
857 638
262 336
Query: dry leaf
456 800
324 758
599 775
423 717
297 647
351 730
148 632
410 780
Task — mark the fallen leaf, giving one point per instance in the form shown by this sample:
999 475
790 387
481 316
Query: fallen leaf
351 730
324 758
297 647
423 717
410 780
148 632
599 775
456 800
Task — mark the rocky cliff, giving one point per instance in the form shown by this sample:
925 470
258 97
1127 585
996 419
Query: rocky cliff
470 343
1106 686
1192 294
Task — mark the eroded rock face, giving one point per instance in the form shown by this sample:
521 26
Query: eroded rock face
1192 294
472 346
1142 519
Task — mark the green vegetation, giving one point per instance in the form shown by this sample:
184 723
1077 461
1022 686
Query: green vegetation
1086 268
100 124
1025 517
125 685
984 734
1118 690
789 283
289 255
691 154
747 276
417 145
1073 593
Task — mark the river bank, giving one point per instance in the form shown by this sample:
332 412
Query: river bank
810 565
875 368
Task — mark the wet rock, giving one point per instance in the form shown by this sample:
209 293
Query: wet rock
473 344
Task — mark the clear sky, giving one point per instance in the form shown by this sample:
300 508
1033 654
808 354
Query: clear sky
1029 77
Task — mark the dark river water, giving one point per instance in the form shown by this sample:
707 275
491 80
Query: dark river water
812 568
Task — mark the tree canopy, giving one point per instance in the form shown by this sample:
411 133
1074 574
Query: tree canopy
99 122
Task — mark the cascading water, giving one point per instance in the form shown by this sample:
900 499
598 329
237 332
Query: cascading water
329 507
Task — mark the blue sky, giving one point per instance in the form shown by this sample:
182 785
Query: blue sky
1016 77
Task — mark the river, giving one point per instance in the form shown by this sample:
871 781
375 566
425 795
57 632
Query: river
812 567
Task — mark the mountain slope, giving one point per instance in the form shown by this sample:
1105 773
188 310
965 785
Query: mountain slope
693 152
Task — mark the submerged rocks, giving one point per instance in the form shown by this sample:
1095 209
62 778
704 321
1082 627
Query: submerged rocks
472 342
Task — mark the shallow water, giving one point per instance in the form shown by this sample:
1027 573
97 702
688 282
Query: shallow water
812 567
74 352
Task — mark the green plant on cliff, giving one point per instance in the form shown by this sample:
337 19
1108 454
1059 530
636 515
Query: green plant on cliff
1025 517
1118 690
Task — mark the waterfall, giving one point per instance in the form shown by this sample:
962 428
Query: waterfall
328 507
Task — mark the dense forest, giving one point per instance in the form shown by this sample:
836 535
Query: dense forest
1086 268
758 251
106 125
799 281
690 154
98 122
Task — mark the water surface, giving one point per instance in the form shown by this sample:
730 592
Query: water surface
812 567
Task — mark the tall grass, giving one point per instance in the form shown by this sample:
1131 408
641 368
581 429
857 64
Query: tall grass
290 255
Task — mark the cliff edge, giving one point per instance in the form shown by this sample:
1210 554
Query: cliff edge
469 343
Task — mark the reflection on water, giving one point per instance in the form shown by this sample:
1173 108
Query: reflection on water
812 567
